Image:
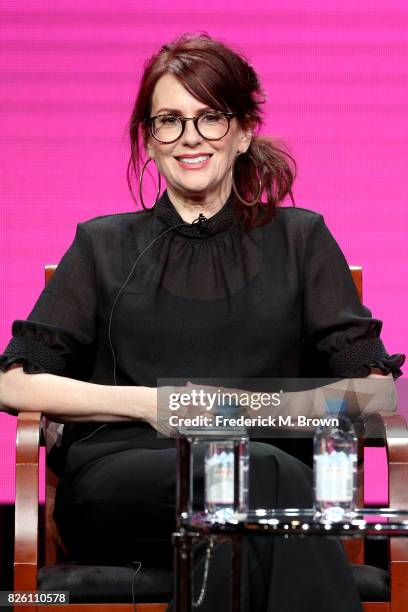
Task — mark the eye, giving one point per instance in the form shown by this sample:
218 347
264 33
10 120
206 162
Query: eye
168 119
211 117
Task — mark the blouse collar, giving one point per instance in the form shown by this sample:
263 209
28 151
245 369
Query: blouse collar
223 220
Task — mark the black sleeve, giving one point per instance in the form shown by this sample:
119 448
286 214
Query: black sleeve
59 334
341 329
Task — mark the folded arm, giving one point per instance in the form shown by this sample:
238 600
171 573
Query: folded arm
68 400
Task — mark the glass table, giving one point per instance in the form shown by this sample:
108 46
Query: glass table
290 522
374 522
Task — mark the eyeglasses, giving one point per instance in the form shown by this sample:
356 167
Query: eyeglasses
211 125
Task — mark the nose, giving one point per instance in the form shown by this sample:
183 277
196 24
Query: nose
191 136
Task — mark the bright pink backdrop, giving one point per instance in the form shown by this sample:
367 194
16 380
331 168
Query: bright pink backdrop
336 79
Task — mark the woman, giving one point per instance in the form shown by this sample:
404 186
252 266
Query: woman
208 283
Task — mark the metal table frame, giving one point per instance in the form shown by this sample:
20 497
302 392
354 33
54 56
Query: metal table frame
192 527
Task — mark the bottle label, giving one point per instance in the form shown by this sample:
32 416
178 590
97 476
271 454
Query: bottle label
220 479
334 477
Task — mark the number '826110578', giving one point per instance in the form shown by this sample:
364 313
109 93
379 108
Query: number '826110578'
26 598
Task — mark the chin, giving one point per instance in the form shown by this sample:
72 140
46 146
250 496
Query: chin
194 187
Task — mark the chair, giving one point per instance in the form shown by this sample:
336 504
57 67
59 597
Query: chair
92 588
389 588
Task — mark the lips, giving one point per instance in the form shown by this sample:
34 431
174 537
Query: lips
193 161
191 155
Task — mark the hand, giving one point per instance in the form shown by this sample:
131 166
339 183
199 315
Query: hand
157 409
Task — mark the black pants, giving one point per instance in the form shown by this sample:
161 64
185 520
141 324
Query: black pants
116 504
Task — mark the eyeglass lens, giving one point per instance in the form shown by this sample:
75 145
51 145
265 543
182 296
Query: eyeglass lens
211 126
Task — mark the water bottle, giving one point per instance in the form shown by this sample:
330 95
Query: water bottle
226 466
221 499
335 470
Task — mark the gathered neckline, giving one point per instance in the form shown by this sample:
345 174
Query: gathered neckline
223 220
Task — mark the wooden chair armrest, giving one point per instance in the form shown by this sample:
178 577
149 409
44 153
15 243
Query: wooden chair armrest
392 430
396 442
26 504
398 569
396 439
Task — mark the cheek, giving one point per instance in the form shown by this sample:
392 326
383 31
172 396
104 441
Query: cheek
163 162
226 159
228 151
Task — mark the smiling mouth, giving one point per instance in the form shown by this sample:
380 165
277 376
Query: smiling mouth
194 160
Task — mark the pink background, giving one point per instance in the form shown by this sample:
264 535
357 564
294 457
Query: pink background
336 79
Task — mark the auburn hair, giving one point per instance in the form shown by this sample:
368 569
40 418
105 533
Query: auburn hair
224 80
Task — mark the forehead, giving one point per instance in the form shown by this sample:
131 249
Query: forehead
169 93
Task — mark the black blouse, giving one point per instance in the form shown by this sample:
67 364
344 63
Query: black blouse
203 301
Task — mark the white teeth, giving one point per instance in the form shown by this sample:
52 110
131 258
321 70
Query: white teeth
194 160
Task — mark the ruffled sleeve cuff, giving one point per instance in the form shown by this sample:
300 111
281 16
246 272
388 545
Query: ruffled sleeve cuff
42 347
33 356
357 359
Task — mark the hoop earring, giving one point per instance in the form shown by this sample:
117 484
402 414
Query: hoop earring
241 199
141 185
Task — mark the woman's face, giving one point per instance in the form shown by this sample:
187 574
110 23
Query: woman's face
203 181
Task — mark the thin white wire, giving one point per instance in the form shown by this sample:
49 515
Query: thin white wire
124 285
137 570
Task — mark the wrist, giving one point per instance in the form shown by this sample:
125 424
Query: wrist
146 403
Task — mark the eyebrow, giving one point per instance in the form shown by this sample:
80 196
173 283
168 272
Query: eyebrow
176 111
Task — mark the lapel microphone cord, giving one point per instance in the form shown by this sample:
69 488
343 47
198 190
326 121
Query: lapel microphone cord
201 222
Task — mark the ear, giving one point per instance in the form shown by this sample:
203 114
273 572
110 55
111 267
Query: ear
147 142
245 139
149 149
